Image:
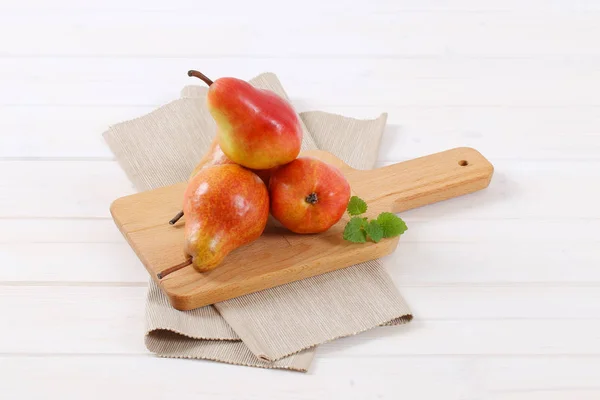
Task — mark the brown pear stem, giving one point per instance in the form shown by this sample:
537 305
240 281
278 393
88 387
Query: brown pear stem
200 75
176 218
177 267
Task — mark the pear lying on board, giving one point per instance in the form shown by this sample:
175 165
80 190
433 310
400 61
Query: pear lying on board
255 127
226 206
308 195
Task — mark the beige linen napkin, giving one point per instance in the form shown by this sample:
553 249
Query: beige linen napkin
278 327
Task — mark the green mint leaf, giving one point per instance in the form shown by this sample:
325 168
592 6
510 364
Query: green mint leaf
374 230
391 224
354 231
356 206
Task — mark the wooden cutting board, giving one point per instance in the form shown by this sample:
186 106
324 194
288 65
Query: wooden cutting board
279 256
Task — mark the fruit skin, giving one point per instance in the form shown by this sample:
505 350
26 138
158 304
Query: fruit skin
296 186
215 156
256 128
264 174
225 206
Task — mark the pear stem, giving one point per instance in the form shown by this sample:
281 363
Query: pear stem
200 75
177 267
176 218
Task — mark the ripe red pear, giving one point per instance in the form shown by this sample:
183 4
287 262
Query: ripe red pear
256 128
226 206
308 195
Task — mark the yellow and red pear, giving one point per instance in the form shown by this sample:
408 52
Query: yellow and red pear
256 128
226 206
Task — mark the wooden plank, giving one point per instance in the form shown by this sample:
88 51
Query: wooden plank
436 252
497 337
311 6
71 262
422 231
372 82
60 132
520 189
23 231
96 320
129 377
150 34
481 91
546 373
357 70
61 189
429 304
503 301
494 262
567 394
507 231
363 378
542 133
427 263
73 320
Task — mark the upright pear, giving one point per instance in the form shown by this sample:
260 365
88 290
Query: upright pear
226 206
256 128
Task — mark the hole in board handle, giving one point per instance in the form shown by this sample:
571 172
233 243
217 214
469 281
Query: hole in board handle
463 163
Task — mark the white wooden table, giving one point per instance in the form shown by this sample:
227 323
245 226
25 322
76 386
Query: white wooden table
504 284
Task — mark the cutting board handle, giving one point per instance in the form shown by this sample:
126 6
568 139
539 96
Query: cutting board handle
425 180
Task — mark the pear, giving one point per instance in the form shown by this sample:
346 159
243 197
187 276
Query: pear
215 156
308 195
226 206
256 128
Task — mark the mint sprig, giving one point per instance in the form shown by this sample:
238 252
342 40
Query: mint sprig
356 206
355 230
358 229
391 224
